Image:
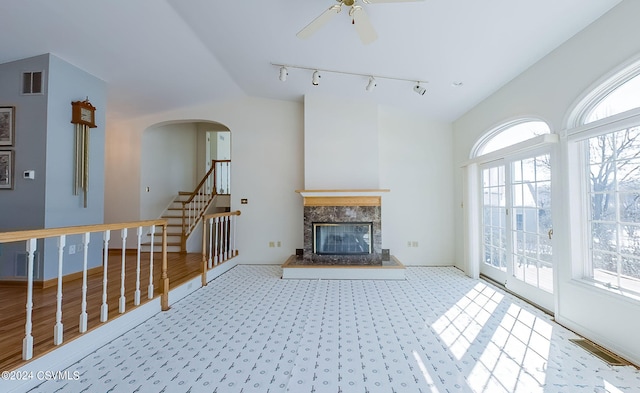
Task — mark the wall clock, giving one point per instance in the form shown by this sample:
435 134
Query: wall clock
83 116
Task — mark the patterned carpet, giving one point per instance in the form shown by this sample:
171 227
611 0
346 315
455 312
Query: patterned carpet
436 332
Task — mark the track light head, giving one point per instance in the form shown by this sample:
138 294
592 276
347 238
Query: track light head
315 79
419 89
283 73
372 84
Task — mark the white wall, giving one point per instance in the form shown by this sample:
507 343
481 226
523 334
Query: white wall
267 169
167 166
548 90
267 151
340 144
417 166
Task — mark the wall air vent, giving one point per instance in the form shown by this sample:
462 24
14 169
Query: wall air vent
32 82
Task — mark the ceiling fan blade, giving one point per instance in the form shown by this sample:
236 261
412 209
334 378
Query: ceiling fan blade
318 22
363 25
389 1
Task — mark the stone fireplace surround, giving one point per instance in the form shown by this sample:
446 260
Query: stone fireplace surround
342 206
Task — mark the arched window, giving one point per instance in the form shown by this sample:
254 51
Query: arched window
607 158
623 98
509 134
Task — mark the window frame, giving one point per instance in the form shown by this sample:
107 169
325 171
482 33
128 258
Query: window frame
481 143
575 139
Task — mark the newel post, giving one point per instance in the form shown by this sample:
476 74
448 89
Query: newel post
165 277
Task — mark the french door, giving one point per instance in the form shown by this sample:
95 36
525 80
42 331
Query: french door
517 227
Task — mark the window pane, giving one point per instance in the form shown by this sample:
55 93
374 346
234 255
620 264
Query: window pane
631 267
603 207
630 207
622 99
514 134
604 236
614 192
606 262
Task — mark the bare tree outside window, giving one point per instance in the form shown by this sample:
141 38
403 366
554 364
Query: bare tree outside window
614 178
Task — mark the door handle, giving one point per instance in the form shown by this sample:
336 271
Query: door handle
550 233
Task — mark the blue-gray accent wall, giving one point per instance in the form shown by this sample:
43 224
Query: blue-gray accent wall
44 143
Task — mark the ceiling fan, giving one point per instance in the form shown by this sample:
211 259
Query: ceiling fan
359 19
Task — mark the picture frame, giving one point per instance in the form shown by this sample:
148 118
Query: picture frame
7 125
6 169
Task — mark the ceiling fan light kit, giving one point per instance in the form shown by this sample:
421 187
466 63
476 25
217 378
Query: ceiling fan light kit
359 19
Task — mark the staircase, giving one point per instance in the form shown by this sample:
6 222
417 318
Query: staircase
173 215
187 208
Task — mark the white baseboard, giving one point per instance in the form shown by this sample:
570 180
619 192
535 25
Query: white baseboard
602 341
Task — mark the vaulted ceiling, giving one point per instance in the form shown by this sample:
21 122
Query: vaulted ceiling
157 55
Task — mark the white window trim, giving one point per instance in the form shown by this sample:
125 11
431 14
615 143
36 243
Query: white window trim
486 137
578 204
519 148
597 91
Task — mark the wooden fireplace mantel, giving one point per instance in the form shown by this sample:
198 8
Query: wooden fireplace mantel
368 197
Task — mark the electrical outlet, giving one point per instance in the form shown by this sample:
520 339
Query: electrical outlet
272 244
409 243
279 243
414 244
72 249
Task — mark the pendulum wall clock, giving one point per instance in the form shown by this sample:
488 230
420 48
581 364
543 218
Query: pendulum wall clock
83 116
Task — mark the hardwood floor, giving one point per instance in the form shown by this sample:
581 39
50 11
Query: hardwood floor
181 268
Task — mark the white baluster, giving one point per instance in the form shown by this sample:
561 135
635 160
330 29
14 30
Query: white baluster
210 243
27 342
153 230
225 237
104 309
58 329
123 300
136 295
216 256
234 222
83 309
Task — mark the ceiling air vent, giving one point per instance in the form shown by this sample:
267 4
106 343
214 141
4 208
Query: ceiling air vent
32 82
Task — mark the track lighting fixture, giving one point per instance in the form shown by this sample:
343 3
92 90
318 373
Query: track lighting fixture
372 84
283 73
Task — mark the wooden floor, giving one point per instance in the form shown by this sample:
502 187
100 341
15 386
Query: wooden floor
181 268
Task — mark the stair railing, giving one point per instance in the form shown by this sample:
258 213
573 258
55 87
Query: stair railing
64 241
218 240
215 182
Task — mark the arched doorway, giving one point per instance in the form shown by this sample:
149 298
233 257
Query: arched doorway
185 172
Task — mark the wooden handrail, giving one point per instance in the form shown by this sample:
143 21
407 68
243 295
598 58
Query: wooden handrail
224 214
204 179
16 236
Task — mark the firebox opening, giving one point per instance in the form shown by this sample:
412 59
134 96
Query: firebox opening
342 238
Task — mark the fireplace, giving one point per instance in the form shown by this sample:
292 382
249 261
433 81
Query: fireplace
342 238
342 227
